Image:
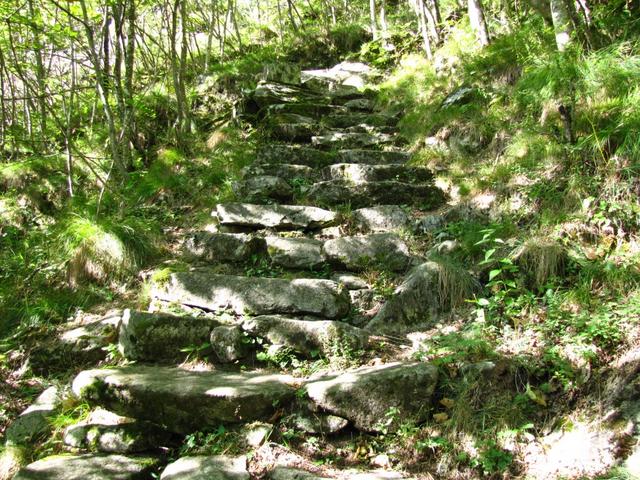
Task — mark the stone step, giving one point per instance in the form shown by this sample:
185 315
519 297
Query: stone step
381 250
307 337
341 140
384 218
253 295
293 173
295 253
365 395
263 187
313 110
293 154
338 192
158 337
223 247
345 120
371 157
184 401
215 467
359 173
271 93
291 127
280 217
88 467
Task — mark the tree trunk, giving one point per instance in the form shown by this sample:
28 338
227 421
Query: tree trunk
372 19
478 23
561 23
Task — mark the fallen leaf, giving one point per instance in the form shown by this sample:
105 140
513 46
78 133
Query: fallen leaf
447 402
440 417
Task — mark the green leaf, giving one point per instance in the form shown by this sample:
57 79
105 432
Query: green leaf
483 302
494 273
489 253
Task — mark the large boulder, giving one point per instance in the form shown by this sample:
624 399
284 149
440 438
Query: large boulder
378 398
383 250
216 467
161 337
307 337
253 295
282 217
89 467
184 401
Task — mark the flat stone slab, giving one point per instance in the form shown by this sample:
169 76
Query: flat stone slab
295 253
346 120
384 250
254 295
288 171
384 218
274 216
371 157
307 109
269 93
365 395
263 187
307 337
338 140
184 401
33 421
216 467
223 247
359 173
291 127
89 467
293 154
337 192
130 437
161 337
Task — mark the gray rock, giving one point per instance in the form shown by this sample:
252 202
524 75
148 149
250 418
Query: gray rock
224 247
429 224
359 173
291 127
288 473
216 467
33 421
307 337
86 342
256 433
337 140
365 395
385 218
229 343
283 72
281 217
264 187
89 467
345 120
364 194
365 304
295 253
313 110
384 250
446 247
288 171
319 423
130 437
184 401
293 154
269 93
371 157
364 104
257 296
351 282
420 298
161 337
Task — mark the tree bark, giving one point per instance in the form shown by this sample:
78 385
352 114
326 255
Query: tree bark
478 22
561 23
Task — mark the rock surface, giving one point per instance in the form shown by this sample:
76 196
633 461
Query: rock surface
283 217
384 250
184 401
308 338
360 173
223 247
161 337
385 218
295 253
253 295
216 467
89 467
33 420
229 343
365 395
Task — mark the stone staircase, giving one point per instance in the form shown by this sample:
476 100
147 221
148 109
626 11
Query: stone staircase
329 197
